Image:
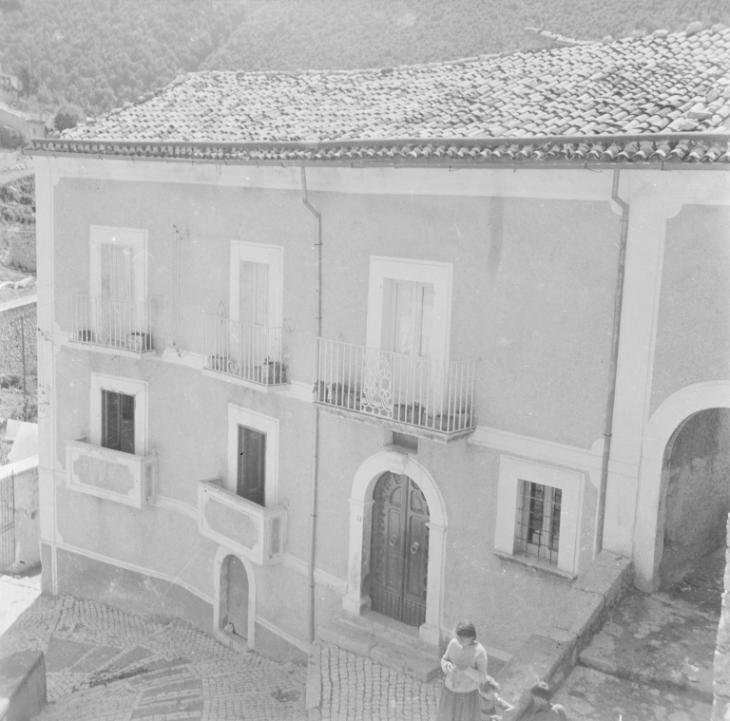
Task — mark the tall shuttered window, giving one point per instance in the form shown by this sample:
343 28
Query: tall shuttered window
251 476
117 418
407 317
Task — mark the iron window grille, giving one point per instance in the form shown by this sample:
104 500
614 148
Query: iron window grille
537 532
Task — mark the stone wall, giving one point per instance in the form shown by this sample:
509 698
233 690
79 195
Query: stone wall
19 245
20 549
721 706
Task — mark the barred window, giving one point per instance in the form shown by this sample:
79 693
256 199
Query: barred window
537 530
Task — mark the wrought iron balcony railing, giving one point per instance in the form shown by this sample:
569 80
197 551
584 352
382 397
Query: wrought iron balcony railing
412 390
122 324
244 350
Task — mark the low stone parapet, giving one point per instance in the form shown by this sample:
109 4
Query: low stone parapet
20 536
550 656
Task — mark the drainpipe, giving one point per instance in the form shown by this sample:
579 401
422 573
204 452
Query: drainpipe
315 459
615 343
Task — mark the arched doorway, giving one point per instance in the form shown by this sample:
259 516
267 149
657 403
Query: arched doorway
696 492
357 599
234 593
399 549
663 425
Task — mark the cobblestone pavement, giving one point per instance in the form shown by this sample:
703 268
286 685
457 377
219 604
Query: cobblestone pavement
358 689
103 664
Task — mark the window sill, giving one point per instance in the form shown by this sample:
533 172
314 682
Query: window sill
537 565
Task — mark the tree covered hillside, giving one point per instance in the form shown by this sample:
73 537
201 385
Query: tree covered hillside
290 34
99 54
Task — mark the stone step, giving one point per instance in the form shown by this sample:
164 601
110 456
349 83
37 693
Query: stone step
657 640
591 695
379 640
688 679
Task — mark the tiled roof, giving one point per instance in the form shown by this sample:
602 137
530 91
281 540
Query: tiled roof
662 97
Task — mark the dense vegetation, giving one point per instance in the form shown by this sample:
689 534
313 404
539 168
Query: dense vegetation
98 54
17 202
287 34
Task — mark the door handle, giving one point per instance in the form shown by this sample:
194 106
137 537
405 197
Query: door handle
414 547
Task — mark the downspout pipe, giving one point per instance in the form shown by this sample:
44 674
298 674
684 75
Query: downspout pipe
615 345
317 246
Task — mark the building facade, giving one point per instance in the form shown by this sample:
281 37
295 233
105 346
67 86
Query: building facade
278 384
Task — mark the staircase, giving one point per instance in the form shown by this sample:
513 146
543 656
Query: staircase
653 656
104 664
386 642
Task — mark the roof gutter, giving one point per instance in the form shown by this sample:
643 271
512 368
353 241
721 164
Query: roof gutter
613 369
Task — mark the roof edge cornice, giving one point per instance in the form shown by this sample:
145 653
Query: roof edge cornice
711 137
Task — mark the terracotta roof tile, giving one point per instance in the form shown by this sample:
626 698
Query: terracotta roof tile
665 83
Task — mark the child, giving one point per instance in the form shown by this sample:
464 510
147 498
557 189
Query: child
465 666
492 702
542 709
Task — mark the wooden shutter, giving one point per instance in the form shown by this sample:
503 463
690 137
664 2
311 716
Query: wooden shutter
251 465
253 293
117 274
117 417
407 317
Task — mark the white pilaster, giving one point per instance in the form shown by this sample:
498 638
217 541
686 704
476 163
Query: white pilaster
45 180
354 602
650 208
430 630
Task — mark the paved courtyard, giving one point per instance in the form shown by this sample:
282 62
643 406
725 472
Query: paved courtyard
355 688
651 660
104 664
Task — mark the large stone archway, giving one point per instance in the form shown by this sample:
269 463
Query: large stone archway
669 416
356 600
695 497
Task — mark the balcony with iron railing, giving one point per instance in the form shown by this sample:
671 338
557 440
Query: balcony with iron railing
245 351
112 323
412 392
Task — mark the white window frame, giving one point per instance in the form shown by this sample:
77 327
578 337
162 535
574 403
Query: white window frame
134 238
271 255
570 482
438 274
268 425
131 387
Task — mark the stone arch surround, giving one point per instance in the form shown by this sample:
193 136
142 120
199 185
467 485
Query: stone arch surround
361 501
648 529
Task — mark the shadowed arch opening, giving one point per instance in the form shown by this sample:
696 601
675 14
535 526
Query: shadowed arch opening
233 600
664 425
696 492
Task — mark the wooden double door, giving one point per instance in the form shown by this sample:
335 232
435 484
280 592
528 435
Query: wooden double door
399 550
